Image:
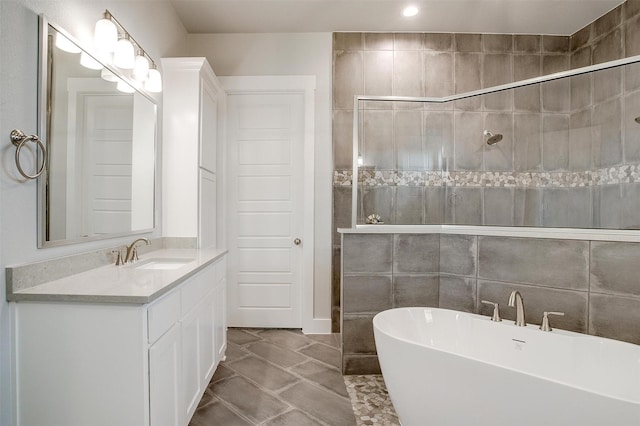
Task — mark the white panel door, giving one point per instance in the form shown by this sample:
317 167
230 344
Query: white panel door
265 162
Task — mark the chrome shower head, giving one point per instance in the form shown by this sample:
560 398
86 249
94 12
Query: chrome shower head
491 138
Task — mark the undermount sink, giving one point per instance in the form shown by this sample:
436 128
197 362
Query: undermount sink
162 264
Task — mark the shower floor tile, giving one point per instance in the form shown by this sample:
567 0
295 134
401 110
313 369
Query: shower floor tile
370 400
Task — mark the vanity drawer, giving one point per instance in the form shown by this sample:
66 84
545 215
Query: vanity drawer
162 314
197 288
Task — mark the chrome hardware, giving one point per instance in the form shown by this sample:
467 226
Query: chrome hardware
496 310
19 139
118 257
545 326
297 241
132 252
515 299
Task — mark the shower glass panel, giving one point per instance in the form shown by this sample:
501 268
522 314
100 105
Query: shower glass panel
560 151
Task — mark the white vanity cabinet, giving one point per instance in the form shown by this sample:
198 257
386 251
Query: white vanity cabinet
108 364
194 105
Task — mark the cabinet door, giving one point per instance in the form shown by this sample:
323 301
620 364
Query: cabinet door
206 341
220 311
164 380
190 364
207 226
208 126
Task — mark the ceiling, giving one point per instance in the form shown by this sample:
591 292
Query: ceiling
558 17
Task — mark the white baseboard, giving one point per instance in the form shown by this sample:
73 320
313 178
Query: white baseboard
318 326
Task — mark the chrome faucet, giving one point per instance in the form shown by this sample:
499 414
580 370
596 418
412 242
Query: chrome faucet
132 251
515 299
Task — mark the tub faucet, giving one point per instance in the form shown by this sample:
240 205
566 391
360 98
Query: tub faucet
515 299
132 251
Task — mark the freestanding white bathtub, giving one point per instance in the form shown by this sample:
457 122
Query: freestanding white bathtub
444 367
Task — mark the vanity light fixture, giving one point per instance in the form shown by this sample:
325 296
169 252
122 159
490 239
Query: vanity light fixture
125 87
63 43
108 76
410 11
128 54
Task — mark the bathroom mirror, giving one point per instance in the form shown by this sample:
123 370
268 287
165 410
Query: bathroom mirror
100 134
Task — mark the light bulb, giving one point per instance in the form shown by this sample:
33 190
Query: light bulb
123 56
88 61
141 68
410 11
108 75
154 82
105 35
65 44
125 87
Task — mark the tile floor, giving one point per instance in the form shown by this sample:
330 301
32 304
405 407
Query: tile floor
277 377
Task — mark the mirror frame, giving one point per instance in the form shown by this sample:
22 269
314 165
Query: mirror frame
43 112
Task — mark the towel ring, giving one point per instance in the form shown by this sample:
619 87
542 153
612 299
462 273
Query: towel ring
19 138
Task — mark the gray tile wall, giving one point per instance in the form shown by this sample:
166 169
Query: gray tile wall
594 283
554 126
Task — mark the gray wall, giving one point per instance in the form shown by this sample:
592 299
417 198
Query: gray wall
556 130
595 283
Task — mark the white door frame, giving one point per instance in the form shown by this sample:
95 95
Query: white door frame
306 85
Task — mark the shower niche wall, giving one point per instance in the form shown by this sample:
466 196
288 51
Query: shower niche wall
566 154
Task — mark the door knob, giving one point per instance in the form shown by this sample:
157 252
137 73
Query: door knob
297 241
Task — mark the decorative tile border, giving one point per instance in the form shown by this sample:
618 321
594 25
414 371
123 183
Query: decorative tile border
370 400
483 179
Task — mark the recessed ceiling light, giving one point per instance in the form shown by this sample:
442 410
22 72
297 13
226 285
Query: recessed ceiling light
410 11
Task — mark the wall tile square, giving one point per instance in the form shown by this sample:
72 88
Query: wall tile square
631 8
615 317
608 206
438 139
526 66
357 334
434 205
554 63
555 207
469 140
632 37
408 41
378 73
467 206
580 38
336 272
366 294
499 157
378 41
556 96
556 263
498 206
555 44
527 99
614 268
527 43
632 76
458 293
555 142
378 138
608 48
467 42
409 205
581 58
607 134
347 77
580 91
438 74
458 254
341 210
607 22
348 41
527 142
439 42
537 300
580 141
631 127
467 72
415 290
416 253
360 364
343 139
367 254
379 200
407 73
607 84
580 207
527 207
499 43
407 137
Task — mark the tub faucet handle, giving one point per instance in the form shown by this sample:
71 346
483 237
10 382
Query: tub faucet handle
545 326
496 310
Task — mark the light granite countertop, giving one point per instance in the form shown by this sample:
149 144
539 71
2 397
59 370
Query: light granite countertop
127 284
